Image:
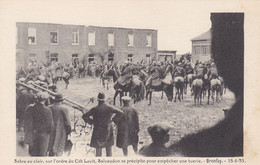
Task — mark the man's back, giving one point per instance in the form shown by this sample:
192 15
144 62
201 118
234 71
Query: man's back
101 114
42 118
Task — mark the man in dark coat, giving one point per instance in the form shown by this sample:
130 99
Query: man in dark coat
160 136
157 73
102 120
26 97
38 126
126 75
128 127
62 127
178 73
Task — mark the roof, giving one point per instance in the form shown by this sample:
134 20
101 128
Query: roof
203 36
48 23
119 28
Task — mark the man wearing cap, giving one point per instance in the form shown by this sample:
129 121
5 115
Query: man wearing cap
38 126
62 127
128 127
160 136
102 135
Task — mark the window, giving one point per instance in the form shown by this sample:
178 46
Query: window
75 37
111 39
204 49
54 37
196 49
130 57
149 40
130 39
91 38
75 60
54 57
91 57
31 35
110 57
148 58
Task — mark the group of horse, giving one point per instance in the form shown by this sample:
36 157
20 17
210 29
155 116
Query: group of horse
137 89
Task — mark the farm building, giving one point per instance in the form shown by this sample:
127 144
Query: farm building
201 47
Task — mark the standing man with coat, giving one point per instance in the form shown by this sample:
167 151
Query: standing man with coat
101 117
128 127
38 126
62 127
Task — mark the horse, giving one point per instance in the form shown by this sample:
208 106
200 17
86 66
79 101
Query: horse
135 87
65 76
179 85
223 87
167 88
197 85
188 80
164 85
215 87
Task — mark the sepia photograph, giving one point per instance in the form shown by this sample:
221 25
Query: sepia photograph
129 79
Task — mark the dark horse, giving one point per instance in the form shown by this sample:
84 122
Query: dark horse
165 85
135 88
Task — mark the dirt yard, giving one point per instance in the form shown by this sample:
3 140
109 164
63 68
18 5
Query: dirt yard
184 116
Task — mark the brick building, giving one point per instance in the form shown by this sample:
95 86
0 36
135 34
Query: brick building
201 47
68 44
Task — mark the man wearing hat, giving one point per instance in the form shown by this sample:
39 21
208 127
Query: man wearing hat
62 127
38 126
160 136
128 127
101 117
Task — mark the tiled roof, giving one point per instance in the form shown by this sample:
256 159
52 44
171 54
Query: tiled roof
203 36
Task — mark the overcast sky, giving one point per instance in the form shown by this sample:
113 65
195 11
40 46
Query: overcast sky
177 22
